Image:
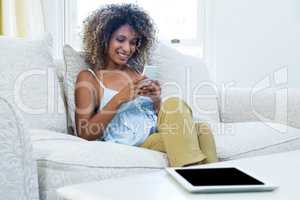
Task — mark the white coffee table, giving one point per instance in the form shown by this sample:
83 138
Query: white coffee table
280 169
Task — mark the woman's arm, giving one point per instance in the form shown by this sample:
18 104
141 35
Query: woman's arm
89 124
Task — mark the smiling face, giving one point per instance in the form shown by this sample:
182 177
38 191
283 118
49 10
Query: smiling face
122 45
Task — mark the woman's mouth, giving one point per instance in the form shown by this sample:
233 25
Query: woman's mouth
123 56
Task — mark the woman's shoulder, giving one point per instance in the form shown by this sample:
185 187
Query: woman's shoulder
87 82
85 75
86 78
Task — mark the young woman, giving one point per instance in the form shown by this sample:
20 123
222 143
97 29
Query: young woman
116 103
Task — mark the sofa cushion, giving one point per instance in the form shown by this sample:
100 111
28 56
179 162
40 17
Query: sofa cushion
28 80
244 139
18 172
65 159
74 63
186 77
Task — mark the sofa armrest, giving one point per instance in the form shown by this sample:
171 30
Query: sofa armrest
267 105
18 170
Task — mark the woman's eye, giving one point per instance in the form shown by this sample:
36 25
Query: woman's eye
134 42
120 39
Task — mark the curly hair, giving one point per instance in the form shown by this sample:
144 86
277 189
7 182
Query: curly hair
103 22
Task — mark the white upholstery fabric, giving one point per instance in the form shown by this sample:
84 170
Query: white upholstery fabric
186 77
60 69
243 139
28 80
268 105
74 62
65 159
18 172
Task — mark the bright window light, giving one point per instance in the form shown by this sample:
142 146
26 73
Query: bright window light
176 20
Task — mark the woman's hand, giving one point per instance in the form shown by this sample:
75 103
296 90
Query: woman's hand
151 89
130 91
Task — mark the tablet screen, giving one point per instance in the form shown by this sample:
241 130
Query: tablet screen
217 177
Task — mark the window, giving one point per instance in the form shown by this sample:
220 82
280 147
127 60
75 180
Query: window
178 21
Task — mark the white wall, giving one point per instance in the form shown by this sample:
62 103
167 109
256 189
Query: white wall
247 40
54 24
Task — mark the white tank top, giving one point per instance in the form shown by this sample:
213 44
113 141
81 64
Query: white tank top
108 94
134 121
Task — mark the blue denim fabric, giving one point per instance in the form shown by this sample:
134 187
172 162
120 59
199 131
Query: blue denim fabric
133 123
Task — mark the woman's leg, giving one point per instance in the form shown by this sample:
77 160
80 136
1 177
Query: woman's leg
154 142
206 142
176 135
205 139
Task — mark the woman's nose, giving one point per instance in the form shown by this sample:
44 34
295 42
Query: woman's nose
126 46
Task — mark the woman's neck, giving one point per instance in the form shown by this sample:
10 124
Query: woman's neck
112 66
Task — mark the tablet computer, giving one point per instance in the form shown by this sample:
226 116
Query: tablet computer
227 179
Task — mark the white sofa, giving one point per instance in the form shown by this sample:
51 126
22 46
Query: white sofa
29 83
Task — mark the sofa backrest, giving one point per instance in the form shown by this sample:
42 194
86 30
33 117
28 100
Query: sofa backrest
274 105
28 80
